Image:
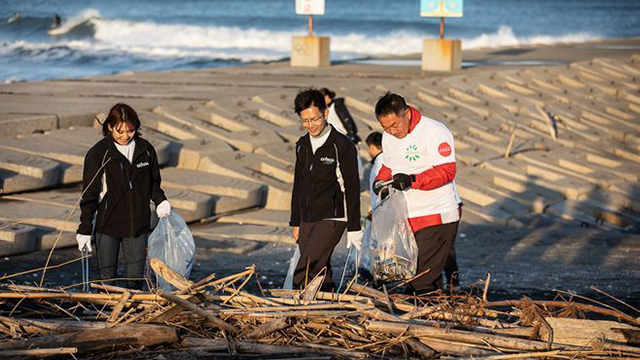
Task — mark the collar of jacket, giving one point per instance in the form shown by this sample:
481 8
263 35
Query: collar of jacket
415 118
306 139
141 146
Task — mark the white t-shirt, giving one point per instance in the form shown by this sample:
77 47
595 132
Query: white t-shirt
127 151
375 169
428 145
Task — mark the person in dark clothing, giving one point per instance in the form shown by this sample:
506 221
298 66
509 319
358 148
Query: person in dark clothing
326 191
120 177
339 116
56 21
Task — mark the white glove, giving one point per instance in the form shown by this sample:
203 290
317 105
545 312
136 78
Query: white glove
84 240
163 209
354 238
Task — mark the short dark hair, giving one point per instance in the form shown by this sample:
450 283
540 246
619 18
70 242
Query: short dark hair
390 103
329 93
308 98
124 113
375 139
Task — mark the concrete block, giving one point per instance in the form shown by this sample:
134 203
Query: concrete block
441 55
492 215
554 163
48 147
190 205
30 165
593 214
228 246
245 140
264 217
166 126
16 238
473 153
284 154
571 187
12 125
12 182
66 198
505 190
47 238
244 232
212 184
278 195
310 51
39 214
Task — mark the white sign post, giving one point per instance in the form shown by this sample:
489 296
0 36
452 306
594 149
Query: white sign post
310 50
441 54
310 7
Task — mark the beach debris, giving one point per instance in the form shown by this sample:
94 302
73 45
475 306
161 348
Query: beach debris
217 317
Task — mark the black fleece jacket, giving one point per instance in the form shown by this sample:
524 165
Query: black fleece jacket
316 192
124 211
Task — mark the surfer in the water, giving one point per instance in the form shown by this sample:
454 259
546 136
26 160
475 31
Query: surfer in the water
56 21
13 18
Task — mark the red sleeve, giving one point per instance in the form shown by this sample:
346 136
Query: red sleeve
384 174
435 177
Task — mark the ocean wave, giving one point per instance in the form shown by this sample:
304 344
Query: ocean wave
176 38
506 37
150 40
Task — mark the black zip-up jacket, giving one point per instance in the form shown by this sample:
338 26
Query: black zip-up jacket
316 192
347 120
124 211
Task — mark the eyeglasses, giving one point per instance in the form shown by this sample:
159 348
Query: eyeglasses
307 122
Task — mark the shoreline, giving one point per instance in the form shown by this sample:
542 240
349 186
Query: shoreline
523 212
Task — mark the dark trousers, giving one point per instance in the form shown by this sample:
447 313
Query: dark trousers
434 244
316 242
451 267
134 251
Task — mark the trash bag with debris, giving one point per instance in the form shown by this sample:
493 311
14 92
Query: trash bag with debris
394 253
288 281
172 243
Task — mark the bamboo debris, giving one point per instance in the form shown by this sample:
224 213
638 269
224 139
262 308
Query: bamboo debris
218 317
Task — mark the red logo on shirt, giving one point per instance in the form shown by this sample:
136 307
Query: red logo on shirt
444 149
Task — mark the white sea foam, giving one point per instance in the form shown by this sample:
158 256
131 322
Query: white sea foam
175 40
152 40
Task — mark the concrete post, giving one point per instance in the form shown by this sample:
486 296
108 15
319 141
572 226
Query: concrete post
310 51
441 55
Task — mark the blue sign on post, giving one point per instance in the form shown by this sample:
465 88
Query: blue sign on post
441 8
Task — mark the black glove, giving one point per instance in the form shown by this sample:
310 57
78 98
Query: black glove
384 193
377 186
402 181
355 139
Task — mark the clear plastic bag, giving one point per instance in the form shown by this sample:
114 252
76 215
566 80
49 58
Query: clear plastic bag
288 281
172 243
394 253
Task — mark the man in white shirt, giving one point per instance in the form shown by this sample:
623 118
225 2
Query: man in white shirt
419 156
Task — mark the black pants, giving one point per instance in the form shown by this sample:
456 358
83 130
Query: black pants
134 251
316 242
451 272
434 245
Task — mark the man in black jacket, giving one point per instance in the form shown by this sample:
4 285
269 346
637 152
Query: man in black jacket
326 191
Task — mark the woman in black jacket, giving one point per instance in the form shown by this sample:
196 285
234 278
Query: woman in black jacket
338 111
120 178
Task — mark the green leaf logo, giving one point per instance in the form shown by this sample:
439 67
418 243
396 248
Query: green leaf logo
411 153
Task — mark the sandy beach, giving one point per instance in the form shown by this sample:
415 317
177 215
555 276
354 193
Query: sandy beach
559 212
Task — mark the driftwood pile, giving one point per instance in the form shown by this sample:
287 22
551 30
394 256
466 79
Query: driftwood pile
215 318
